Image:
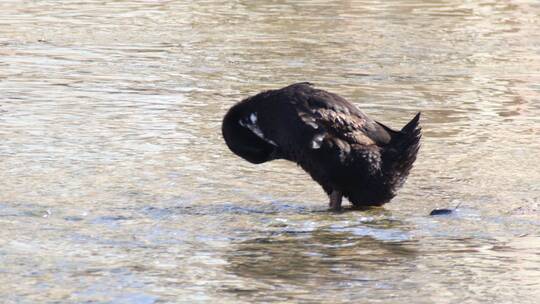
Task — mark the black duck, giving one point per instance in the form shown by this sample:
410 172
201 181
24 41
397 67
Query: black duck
346 152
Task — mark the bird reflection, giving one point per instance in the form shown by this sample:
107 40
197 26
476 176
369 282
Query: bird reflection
327 254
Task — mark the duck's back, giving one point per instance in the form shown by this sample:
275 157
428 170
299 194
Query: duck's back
294 114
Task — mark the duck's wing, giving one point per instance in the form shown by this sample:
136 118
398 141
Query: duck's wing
339 119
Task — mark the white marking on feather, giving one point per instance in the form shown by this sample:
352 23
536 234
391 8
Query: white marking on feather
313 125
308 119
317 141
251 124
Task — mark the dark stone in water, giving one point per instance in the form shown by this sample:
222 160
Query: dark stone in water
441 211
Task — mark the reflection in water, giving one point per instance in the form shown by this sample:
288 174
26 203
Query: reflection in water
117 187
291 261
325 256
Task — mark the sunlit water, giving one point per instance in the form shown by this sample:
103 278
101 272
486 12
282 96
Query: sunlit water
116 185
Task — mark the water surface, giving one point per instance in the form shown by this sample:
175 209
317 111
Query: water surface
117 186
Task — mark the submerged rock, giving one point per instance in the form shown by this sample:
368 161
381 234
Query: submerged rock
441 211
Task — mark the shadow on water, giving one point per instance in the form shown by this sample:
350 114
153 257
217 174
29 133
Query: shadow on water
268 208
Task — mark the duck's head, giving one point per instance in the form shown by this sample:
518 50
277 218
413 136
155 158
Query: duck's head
241 140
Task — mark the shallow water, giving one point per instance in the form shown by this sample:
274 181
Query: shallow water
117 186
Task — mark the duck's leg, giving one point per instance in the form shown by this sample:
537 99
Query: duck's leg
335 200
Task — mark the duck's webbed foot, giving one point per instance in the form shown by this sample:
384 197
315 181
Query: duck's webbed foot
335 200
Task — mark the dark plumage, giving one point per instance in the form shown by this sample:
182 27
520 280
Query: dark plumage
346 152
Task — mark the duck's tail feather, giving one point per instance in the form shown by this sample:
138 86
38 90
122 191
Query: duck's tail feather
400 154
